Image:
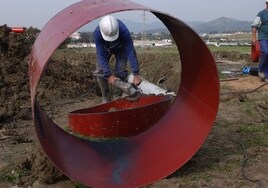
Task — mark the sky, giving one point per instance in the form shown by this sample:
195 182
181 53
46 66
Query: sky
37 13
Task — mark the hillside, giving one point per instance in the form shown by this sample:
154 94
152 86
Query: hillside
219 25
222 25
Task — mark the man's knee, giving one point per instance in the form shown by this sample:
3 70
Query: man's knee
122 74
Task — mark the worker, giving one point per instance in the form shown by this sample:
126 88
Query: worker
260 28
112 37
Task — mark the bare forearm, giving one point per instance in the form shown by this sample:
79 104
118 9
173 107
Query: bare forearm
254 34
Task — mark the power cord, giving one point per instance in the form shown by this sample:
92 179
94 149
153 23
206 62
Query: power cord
244 162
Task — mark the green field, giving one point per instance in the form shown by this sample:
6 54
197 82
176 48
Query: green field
240 49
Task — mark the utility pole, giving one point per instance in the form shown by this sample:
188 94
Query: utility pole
143 29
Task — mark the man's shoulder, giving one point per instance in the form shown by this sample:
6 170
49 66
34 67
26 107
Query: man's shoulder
122 25
123 31
263 12
97 32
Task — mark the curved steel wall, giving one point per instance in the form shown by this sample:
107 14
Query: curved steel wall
151 155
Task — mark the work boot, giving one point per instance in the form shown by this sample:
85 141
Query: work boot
105 91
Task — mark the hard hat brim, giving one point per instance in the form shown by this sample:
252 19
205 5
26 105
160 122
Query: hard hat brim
110 38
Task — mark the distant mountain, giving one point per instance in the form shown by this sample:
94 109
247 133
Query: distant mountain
219 25
132 26
148 27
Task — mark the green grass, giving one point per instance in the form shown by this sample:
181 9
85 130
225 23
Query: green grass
240 49
140 50
255 134
158 50
161 50
14 176
228 166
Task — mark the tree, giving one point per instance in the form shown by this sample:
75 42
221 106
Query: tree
85 37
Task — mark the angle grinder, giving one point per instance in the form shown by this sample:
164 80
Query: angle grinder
130 90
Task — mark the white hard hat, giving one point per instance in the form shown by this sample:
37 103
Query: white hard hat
109 28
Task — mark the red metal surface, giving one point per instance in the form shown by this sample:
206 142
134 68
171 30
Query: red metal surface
255 51
120 118
149 156
18 29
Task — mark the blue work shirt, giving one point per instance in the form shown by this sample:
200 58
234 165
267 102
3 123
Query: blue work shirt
261 23
105 49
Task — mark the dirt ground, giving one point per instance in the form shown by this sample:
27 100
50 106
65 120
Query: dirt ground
233 155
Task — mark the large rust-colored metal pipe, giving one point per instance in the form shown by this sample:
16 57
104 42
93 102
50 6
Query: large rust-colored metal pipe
120 118
149 156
